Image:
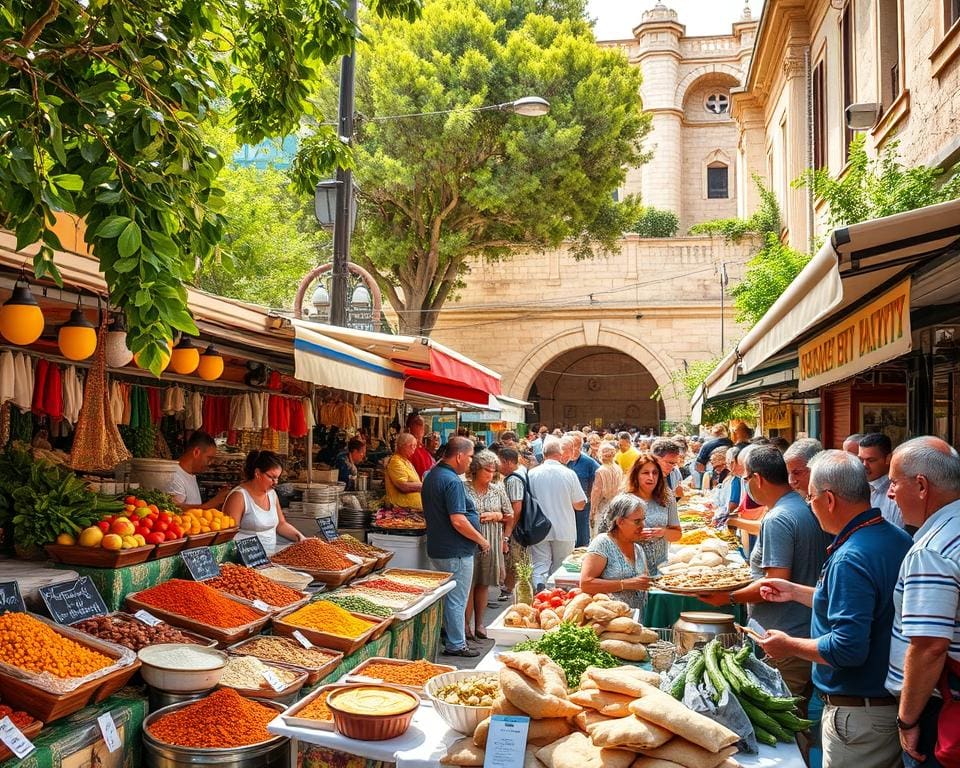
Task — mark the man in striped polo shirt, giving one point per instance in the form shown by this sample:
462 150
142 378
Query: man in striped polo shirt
925 483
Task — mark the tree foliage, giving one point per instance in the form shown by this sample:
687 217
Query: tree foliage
439 189
877 187
100 112
685 383
655 222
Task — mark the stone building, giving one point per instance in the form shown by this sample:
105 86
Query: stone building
592 341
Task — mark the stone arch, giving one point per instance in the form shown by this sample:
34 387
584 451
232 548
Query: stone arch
572 338
691 79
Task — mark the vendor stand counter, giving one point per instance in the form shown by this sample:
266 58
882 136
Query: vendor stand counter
428 737
662 608
114 584
415 634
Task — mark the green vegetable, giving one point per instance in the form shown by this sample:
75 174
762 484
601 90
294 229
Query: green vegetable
764 737
744 652
728 668
696 669
711 655
573 648
680 683
791 721
359 605
762 720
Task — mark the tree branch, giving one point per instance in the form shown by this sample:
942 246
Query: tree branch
36 29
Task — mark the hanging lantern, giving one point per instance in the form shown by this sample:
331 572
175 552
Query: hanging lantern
211 364
185 357
117 352
77 337
21 320
164 358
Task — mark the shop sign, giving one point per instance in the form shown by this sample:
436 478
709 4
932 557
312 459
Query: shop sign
877 332
777 417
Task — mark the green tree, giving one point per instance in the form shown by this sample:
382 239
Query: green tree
100 108
441 188
771 269
685 383
877 187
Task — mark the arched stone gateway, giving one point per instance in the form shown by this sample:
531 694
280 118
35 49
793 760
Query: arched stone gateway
580 358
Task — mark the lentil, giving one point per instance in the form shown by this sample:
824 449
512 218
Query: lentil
324 616
393 600
414 674
356 547
392 586
29 644
198 602
247 672
246 582
285 651
315 554
358 604
417 578
317 709
131 633
221 720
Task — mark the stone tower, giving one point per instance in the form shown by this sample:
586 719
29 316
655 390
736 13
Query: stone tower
686 90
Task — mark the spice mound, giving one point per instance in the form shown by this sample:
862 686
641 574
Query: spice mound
31 645
315 554
354 546
414 674
17 717
358 604
219 721
246 672
317 709
182 657
131 633
199 602
388 585
326 617
285 651
246 582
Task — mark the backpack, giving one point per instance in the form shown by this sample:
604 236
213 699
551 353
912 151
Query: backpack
534 525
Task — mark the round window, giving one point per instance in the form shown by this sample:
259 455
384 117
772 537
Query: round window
717 103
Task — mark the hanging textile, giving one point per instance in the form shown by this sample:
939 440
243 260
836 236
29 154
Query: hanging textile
23 381
97 446
153 403
298 420
194 419
308 412
39 387
7 376
73 395
52 401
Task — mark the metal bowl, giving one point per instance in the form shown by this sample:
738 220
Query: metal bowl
696 628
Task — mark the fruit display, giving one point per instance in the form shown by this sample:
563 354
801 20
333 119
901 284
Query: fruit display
398 517
774 718
196 521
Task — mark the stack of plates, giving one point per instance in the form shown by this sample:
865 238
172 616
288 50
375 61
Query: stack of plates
323 493
354 518
322 509
296 507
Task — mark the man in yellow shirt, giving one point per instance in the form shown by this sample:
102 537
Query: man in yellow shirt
402 481
626 454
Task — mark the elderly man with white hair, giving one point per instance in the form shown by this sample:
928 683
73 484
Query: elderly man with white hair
560 495
925 648
797 458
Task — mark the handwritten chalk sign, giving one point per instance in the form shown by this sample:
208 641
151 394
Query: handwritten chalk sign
200 563
327 528
251 551
73 601
10 599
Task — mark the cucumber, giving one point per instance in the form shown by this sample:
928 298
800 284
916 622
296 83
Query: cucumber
680 683
764 721
711 655
764 737
695 669
791 722
728 668
761 698
744 652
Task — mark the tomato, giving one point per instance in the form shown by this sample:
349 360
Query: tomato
169 536
155 538
139 503
147 522
130 500
556 602
574 592
558 592
176 531
544 595
104 526
161 526
153 508
163 517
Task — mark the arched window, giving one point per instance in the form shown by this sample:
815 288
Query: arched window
717 103
718 184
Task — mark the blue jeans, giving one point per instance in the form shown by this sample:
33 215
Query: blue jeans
455 601
928 735
583 525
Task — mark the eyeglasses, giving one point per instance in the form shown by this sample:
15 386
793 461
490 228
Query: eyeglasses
272 478
747 476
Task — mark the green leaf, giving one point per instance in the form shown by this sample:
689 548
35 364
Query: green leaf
112 226
129 242
69 181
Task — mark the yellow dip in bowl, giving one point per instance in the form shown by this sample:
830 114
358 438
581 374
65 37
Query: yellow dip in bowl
372 700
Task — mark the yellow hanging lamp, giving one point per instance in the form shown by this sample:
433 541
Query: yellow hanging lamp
21 319
211 364
185 357
77 338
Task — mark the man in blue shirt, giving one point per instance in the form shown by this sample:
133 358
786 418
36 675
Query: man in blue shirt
585 469
852 619
453 535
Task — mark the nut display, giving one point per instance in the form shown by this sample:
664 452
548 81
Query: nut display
131 633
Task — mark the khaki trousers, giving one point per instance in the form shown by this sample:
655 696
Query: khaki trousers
795 673
860 736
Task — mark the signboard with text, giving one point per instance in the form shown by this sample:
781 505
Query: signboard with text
875 333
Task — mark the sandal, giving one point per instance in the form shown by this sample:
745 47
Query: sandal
469 636
482 634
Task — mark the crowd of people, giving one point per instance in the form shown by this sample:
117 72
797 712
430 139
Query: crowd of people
855 555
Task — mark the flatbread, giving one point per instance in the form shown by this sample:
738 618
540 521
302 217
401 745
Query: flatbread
530 758
661 708
588 719
526 662
604 702
688 754
540 732
624 650
554 678
619 680
631 731
531 698
577 751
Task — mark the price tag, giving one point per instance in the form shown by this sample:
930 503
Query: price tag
261 606
251 552
109 730
73 601
200 563
10 599
275 682
14 739
147 618
327 528
302 639
506 741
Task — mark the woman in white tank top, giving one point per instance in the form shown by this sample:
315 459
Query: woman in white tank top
254 505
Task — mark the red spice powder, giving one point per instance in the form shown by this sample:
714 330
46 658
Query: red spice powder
199 602
221 720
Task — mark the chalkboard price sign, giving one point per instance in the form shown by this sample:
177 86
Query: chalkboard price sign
74 601
200 563
251 551
10 599
327 528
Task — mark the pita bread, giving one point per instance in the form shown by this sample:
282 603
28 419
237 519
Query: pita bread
661 708
540 732
654 762
624 624
624 649
588 719
577 751
526 662
631 731
607 634
463 752
689 755
619 680
531 698
503 707
604 702
554 678
530 758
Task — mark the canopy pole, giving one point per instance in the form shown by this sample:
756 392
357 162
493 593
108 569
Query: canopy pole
313 393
